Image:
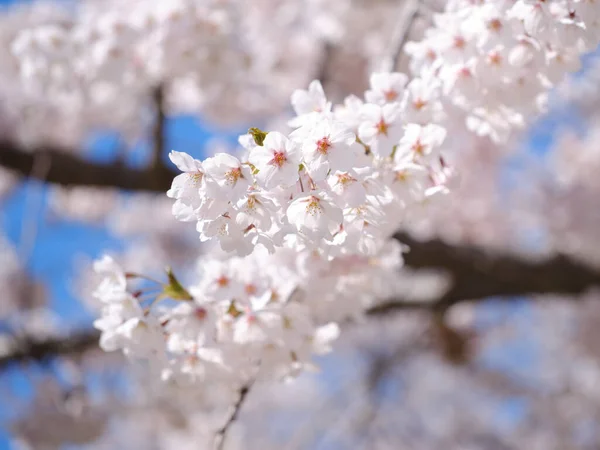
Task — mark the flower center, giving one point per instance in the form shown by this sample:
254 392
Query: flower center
323 145
233 176
222 281
251 204
313 206
459 42
382 127
495 25
344 179
200 313
250 289
418 147
390 95
196 178
494 58
401 176
419 104
278 160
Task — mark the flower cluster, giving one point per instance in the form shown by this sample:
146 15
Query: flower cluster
260 316
497 59
308 213
337 184
79 60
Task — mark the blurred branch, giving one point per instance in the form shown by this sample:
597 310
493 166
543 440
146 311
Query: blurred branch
36 350
30 221
222 433
410 11
67 169
322 73
158 130
478 274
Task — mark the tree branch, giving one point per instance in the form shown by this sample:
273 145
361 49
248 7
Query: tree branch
158 130
477 274
410 11
31 349
69 170
222 432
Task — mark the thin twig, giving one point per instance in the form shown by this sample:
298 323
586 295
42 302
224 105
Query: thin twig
221 435
410 11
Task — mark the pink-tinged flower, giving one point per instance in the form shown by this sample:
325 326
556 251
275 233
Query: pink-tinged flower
186 186
328 146
422 104
381 129
314 216
535 15
230 176
347 188
277 161
420 143
386 88
311 100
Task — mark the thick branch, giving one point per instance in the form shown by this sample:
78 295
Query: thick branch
69 170
30 350
477 274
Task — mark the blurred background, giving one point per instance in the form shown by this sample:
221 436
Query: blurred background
513 361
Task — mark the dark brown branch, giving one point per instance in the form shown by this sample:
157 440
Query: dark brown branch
32 350
477 274
158 130
222 432
69 170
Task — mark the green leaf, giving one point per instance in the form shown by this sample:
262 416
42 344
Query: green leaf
258 135
174 289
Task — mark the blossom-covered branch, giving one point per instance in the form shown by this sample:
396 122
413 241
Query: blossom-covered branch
476 274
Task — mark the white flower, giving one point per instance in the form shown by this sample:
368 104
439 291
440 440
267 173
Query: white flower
350 113
186 187
381 129
113 278
419 143
143 338
255 209
328 146
386 88
188 326
534 14
314 216
422 103
277 161
348 190
311 100
408 182
232 178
